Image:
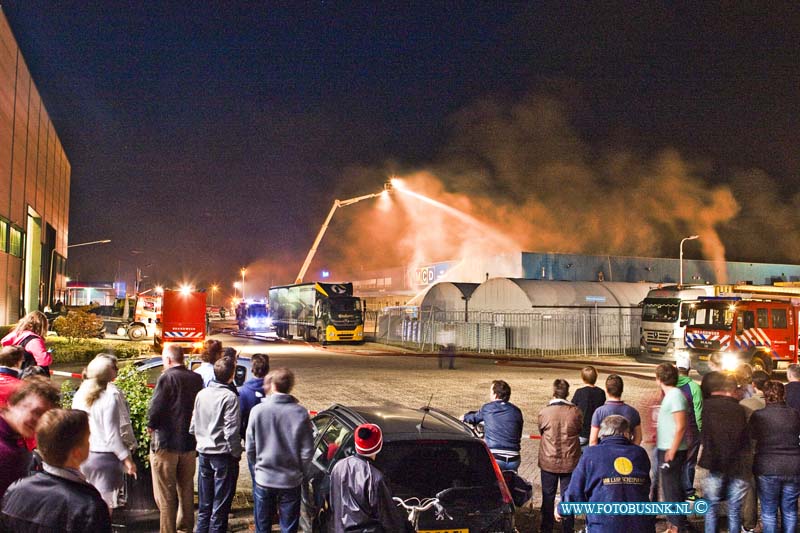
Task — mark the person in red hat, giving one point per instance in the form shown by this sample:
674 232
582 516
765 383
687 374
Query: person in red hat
360 495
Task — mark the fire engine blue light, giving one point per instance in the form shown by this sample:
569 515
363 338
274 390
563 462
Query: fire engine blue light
326 274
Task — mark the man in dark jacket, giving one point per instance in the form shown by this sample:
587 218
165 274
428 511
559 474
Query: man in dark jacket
280 444
615 470
360 496
726 452
588 399
59 498
252 392
793 387
560 424
502 426
172 451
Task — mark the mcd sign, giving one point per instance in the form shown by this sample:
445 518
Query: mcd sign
425 275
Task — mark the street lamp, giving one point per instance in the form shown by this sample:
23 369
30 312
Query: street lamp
693 237
52 259
214 288
243 271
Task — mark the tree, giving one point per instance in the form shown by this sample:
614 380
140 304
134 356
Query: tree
78 325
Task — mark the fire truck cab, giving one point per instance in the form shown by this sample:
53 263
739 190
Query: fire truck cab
760 332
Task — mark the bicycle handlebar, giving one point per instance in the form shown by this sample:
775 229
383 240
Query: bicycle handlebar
422 505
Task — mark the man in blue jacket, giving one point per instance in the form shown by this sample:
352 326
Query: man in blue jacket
616 470
502 423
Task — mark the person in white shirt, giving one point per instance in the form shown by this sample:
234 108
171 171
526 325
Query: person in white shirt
212 351
109 454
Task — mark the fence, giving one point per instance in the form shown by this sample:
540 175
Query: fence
580 331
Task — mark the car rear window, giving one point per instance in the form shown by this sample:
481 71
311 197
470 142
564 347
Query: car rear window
425 468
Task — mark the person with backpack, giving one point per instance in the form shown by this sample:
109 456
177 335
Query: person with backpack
29 333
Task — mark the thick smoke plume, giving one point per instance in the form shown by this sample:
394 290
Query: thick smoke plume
529 182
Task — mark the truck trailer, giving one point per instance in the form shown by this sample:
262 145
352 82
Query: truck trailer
325 312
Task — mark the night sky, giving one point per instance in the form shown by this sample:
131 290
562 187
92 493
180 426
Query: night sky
204 136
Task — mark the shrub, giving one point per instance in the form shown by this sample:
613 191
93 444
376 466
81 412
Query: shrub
133 385
68 390
78 325
83 350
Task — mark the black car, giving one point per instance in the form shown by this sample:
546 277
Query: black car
426 453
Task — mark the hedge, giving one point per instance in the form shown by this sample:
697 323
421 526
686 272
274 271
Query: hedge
83 350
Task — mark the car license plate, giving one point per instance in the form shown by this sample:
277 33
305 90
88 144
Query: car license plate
461 530
656 349
703 358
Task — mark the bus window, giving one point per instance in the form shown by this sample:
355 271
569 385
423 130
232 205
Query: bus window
779 318
762 317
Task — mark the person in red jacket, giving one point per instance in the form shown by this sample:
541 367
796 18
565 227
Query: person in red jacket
18 422
29 333
10 367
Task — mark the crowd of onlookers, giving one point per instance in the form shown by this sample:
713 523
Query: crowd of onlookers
741 427
64 468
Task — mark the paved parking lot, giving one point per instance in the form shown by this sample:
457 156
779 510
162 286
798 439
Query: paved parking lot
332 376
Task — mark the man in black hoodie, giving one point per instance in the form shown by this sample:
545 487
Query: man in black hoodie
726 449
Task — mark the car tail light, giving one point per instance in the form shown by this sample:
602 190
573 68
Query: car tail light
501 482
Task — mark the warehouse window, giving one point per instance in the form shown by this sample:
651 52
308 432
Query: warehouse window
3 236
15 242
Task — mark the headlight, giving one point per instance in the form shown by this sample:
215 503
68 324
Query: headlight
251 322
729 361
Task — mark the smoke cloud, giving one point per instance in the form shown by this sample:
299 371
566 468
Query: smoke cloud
521 178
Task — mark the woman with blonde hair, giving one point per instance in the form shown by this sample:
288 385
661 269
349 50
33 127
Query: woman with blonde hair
29 333
109 454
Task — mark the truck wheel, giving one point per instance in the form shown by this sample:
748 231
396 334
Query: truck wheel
763 363
137 333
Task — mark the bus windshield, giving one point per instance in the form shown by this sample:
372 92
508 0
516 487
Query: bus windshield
713 315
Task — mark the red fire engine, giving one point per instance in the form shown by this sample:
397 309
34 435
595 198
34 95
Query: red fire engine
182 319
744 329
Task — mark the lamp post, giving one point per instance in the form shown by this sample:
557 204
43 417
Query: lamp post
52 259
214 288
236 285
680 261
243 271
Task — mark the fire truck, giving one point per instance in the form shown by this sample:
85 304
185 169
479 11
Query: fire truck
751 324
131 317
182 319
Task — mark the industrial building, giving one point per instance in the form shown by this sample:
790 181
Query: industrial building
407 285
34 191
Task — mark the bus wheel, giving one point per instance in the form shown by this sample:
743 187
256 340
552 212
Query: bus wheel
763 363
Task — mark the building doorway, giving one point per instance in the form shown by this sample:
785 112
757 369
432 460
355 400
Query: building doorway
33 261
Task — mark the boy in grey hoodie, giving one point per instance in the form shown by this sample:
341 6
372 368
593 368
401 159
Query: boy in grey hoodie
280 445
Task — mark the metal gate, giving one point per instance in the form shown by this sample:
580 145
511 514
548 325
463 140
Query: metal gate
587 332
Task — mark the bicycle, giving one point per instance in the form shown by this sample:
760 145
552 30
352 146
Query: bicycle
421 506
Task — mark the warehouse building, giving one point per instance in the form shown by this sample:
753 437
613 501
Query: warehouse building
34 191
